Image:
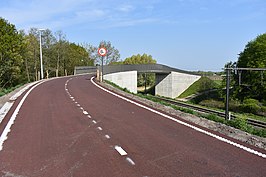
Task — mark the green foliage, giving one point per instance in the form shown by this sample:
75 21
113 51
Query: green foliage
20 55
253 83
142 59
251 106
11 50
212 104
201 85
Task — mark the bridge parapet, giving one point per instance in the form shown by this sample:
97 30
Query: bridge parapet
170 82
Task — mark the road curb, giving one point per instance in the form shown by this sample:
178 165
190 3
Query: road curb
7 106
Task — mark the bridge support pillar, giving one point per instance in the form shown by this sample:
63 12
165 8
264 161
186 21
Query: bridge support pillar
173 84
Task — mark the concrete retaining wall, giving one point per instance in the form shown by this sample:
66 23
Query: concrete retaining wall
124 79
174 84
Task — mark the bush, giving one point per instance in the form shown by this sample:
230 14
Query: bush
239 123
251 106
212 103
251 101
234 106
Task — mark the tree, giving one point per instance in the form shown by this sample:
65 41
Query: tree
20 54
92 54
112 55
253 83
60 51
11 49
32 54
77 55
142 59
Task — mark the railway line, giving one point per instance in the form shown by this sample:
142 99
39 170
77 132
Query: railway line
252 122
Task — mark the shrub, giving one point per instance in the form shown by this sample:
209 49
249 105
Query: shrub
250 106
239 123
234 106
212 103
251 101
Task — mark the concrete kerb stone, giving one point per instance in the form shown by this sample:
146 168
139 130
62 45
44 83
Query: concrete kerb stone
7 101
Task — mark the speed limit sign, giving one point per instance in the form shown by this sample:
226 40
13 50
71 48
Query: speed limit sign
102 51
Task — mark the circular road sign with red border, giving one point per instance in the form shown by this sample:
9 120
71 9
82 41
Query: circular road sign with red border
102 51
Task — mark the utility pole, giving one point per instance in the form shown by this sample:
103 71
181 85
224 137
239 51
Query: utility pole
227 94
41 52
228 70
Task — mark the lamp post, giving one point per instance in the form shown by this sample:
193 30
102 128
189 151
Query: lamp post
41 52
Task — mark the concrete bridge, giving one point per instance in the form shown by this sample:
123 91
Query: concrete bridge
170 82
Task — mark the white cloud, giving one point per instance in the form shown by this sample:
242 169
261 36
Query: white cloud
65 13
90 14
126 8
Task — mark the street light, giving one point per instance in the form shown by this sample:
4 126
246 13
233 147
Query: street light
41 52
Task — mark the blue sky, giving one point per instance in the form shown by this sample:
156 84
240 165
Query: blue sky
186 34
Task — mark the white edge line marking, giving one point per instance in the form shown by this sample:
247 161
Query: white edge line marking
13 117
252 151
4 110
120 150
129 160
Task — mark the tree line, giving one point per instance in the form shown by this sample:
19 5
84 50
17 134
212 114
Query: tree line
248 84
20 54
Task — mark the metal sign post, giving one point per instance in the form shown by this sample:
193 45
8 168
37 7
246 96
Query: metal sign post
102 52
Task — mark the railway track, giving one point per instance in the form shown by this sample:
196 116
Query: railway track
252 122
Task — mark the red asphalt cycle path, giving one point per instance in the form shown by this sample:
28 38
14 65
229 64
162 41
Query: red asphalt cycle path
70 127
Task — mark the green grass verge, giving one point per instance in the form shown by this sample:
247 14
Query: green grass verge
203 84
6 91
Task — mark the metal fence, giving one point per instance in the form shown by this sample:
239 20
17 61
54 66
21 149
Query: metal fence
85 69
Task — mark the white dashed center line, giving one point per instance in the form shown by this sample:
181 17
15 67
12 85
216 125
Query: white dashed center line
99 128
85 113
129 160
120 150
